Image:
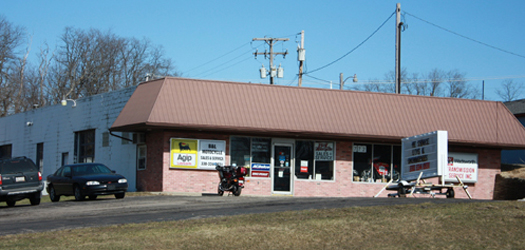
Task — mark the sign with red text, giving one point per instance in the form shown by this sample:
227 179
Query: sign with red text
261 170
462 165
197 154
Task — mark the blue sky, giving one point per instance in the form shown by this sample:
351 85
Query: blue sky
213 39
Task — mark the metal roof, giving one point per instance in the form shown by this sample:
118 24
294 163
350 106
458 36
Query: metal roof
245 108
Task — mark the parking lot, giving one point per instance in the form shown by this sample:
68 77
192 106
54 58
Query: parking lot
140 209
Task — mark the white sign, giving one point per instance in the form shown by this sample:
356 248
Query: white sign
462 165
211 154
425 153
324 151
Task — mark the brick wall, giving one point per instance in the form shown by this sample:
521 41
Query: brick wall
159 177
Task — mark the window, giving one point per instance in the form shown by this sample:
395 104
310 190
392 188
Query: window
66 171
5 151
376 162
65 158
40 155
105 139
261 152
85 146
125 135
246 150
141 157
240 151
314 160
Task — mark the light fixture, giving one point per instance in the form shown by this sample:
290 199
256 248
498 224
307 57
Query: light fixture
64 102
342 82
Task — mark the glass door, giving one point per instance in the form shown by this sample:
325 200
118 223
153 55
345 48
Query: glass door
282 168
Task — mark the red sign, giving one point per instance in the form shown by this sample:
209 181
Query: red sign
304 169
262 174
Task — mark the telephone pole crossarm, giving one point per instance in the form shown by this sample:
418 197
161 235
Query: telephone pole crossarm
270 41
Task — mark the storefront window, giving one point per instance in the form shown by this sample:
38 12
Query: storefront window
304 159
314 160
261 152
240 151
376 162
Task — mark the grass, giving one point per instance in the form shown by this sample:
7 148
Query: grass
484 225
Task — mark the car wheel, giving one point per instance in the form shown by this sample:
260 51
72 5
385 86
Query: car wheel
92 197
78 194
35 199
10 203
120 196
53 195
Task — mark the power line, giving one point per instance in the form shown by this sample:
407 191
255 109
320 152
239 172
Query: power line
468 38
224 67
359 45
219 57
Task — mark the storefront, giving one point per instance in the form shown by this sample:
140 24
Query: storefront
303 142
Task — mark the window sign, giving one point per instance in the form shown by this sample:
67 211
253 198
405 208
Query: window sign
359 149
183 153
260 145
197 154
462 165
211 154
324 151
260 170
304 166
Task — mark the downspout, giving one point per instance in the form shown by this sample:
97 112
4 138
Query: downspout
118 136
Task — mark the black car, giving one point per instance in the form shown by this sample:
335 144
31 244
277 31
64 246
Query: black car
20 178
85 179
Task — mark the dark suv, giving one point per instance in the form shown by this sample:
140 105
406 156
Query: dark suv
20 179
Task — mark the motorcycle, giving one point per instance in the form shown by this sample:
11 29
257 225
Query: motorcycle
232 179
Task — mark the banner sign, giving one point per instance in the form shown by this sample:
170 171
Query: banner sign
211 154
197 154
425 153
324 151
462 165
260 170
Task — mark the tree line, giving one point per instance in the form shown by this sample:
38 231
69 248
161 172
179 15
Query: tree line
84 63
440 83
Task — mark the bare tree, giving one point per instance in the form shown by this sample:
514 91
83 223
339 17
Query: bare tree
458 87
11 37
93 62
510 90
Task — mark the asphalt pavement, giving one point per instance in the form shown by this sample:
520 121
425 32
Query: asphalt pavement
107 210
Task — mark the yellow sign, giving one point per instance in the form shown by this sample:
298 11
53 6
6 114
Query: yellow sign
183 153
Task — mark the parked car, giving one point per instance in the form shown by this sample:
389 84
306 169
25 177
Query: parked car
20 178
85 179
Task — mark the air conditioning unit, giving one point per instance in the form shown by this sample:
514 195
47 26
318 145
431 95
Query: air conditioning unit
139 138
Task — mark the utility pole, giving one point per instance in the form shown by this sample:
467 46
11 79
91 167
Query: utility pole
270 41
301 57
398 48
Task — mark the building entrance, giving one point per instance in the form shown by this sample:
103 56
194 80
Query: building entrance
283 166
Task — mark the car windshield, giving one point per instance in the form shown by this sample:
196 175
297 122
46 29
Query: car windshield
90 170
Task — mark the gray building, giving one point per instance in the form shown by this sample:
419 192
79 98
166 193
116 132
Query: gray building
515 156
78 132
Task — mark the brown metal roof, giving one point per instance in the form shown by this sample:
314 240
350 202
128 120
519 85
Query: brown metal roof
179 103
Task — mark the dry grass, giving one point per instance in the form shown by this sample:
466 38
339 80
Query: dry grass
488 225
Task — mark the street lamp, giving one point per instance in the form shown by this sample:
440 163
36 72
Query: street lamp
64 102
342 82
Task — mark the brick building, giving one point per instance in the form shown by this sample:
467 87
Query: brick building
303 141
